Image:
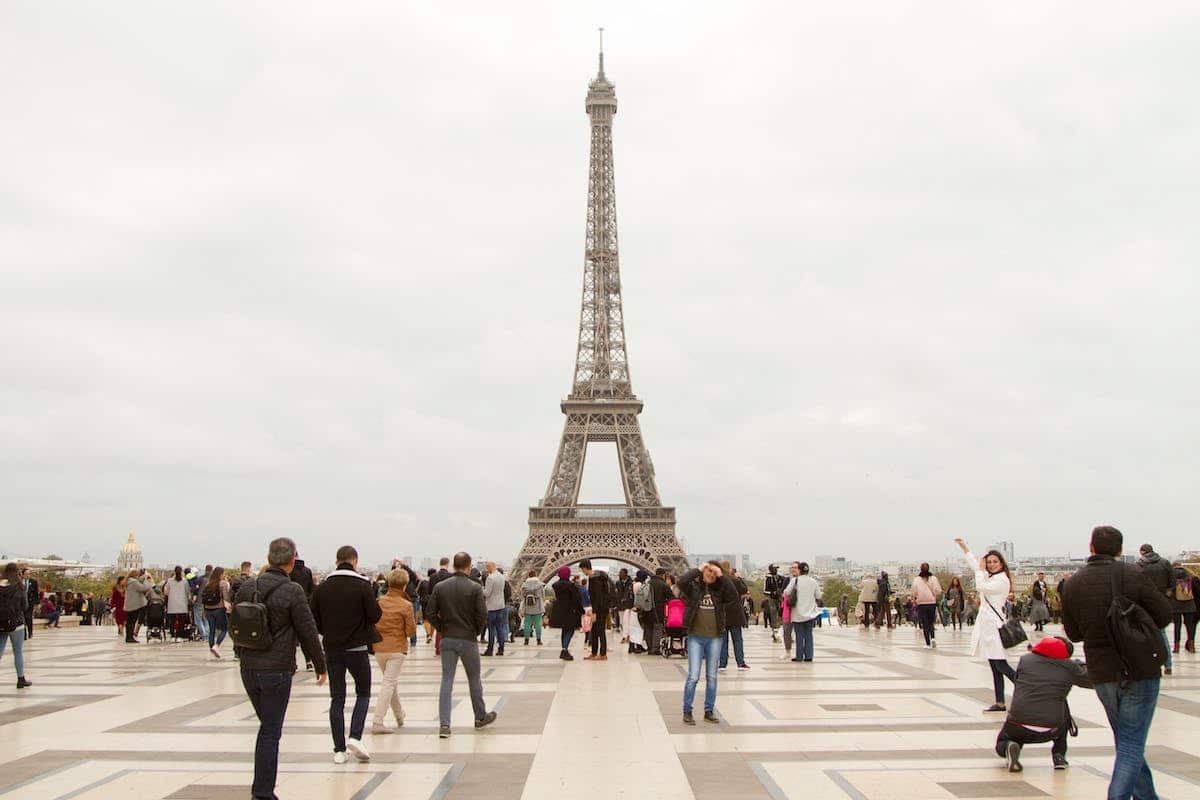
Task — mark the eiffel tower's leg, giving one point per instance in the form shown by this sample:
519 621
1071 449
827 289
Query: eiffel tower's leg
563 489
637 471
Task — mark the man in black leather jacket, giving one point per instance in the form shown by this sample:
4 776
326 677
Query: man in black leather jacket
458 611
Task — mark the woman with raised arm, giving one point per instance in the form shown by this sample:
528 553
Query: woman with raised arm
993 583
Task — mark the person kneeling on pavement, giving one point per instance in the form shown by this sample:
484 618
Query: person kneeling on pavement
1039 711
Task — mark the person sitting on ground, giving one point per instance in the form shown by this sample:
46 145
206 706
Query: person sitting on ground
50 612
1039 711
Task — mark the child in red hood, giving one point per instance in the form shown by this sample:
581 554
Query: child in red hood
1039 712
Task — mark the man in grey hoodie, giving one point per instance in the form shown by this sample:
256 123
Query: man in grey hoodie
533 605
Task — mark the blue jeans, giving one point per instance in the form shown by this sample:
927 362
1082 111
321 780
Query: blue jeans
1130 709
358 663
201 623
567 633
269 693
17 638
804 639
217 620
497 628
707 648
452 651
739 653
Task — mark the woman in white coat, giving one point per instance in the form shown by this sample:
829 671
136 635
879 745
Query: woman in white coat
993 582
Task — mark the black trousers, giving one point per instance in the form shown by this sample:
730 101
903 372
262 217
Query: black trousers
358 664
29 625
869 611
926 613
599 637
132 618
1011 732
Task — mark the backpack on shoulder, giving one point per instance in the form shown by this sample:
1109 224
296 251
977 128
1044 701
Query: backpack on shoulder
1138 642
531 601
1183 590
211 596
250 622
642 599
11 617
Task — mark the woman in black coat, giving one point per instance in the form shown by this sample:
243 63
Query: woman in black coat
567 612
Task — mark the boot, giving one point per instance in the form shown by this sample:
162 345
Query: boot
1190 646
22 683
565 656
527 641
1176 648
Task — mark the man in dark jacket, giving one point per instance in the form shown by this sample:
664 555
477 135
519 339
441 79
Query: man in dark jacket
303 576
1158 571
33 598
660 593
267 674
707 596
1039 711
773 586
458 611
439 576
346 610
1128 699
600 590
735 619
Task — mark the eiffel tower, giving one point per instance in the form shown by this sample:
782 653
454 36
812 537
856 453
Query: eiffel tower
602 406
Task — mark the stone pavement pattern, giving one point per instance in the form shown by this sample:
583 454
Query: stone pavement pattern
875 716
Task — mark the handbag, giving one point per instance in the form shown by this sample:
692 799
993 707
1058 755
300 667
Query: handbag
1012 632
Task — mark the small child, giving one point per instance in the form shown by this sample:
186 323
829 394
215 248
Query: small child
1039 712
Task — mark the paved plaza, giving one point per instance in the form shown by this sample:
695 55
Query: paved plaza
875 716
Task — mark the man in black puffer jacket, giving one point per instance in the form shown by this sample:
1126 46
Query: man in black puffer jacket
1128 700
1158 571
267 674
346 611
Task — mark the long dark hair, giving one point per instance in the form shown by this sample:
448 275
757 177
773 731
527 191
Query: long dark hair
214 578
12 572
955 582
1003 565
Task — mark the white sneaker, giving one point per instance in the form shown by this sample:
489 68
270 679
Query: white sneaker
355 746
378 728
339 757
400 720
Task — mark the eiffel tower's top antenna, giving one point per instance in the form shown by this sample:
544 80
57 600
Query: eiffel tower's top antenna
600 74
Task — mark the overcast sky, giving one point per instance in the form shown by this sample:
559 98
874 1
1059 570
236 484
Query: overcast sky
892 275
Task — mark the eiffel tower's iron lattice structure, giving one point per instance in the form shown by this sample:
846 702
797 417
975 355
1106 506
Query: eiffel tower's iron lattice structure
602 406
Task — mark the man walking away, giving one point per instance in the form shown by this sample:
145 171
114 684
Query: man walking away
442 573
735 619
1128 691
459 614
303 576
493 598
772 593
600 588
345 610
423 590
267 674
1039 711
1158 571
533 605
660 593
32 600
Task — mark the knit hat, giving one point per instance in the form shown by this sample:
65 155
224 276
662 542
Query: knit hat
564 573
1054 647
642 575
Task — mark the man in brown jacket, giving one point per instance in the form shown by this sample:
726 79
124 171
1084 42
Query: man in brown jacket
395 626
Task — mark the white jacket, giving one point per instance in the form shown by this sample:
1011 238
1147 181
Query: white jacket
994 589
805 607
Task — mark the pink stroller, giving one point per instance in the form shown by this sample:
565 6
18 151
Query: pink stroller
674 638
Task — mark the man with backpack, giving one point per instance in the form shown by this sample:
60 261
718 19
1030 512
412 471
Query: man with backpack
345 610
1158 571
772 593
1118 615
270 616
533 605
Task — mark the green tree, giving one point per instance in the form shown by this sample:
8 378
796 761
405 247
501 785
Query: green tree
52 557
833 588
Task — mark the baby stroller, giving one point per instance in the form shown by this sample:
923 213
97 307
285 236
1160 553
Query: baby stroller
156 620
674 638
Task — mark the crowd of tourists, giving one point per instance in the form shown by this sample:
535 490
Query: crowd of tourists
343 620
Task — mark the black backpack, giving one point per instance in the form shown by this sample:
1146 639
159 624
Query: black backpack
1138 642
250 622
11 613
211 596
